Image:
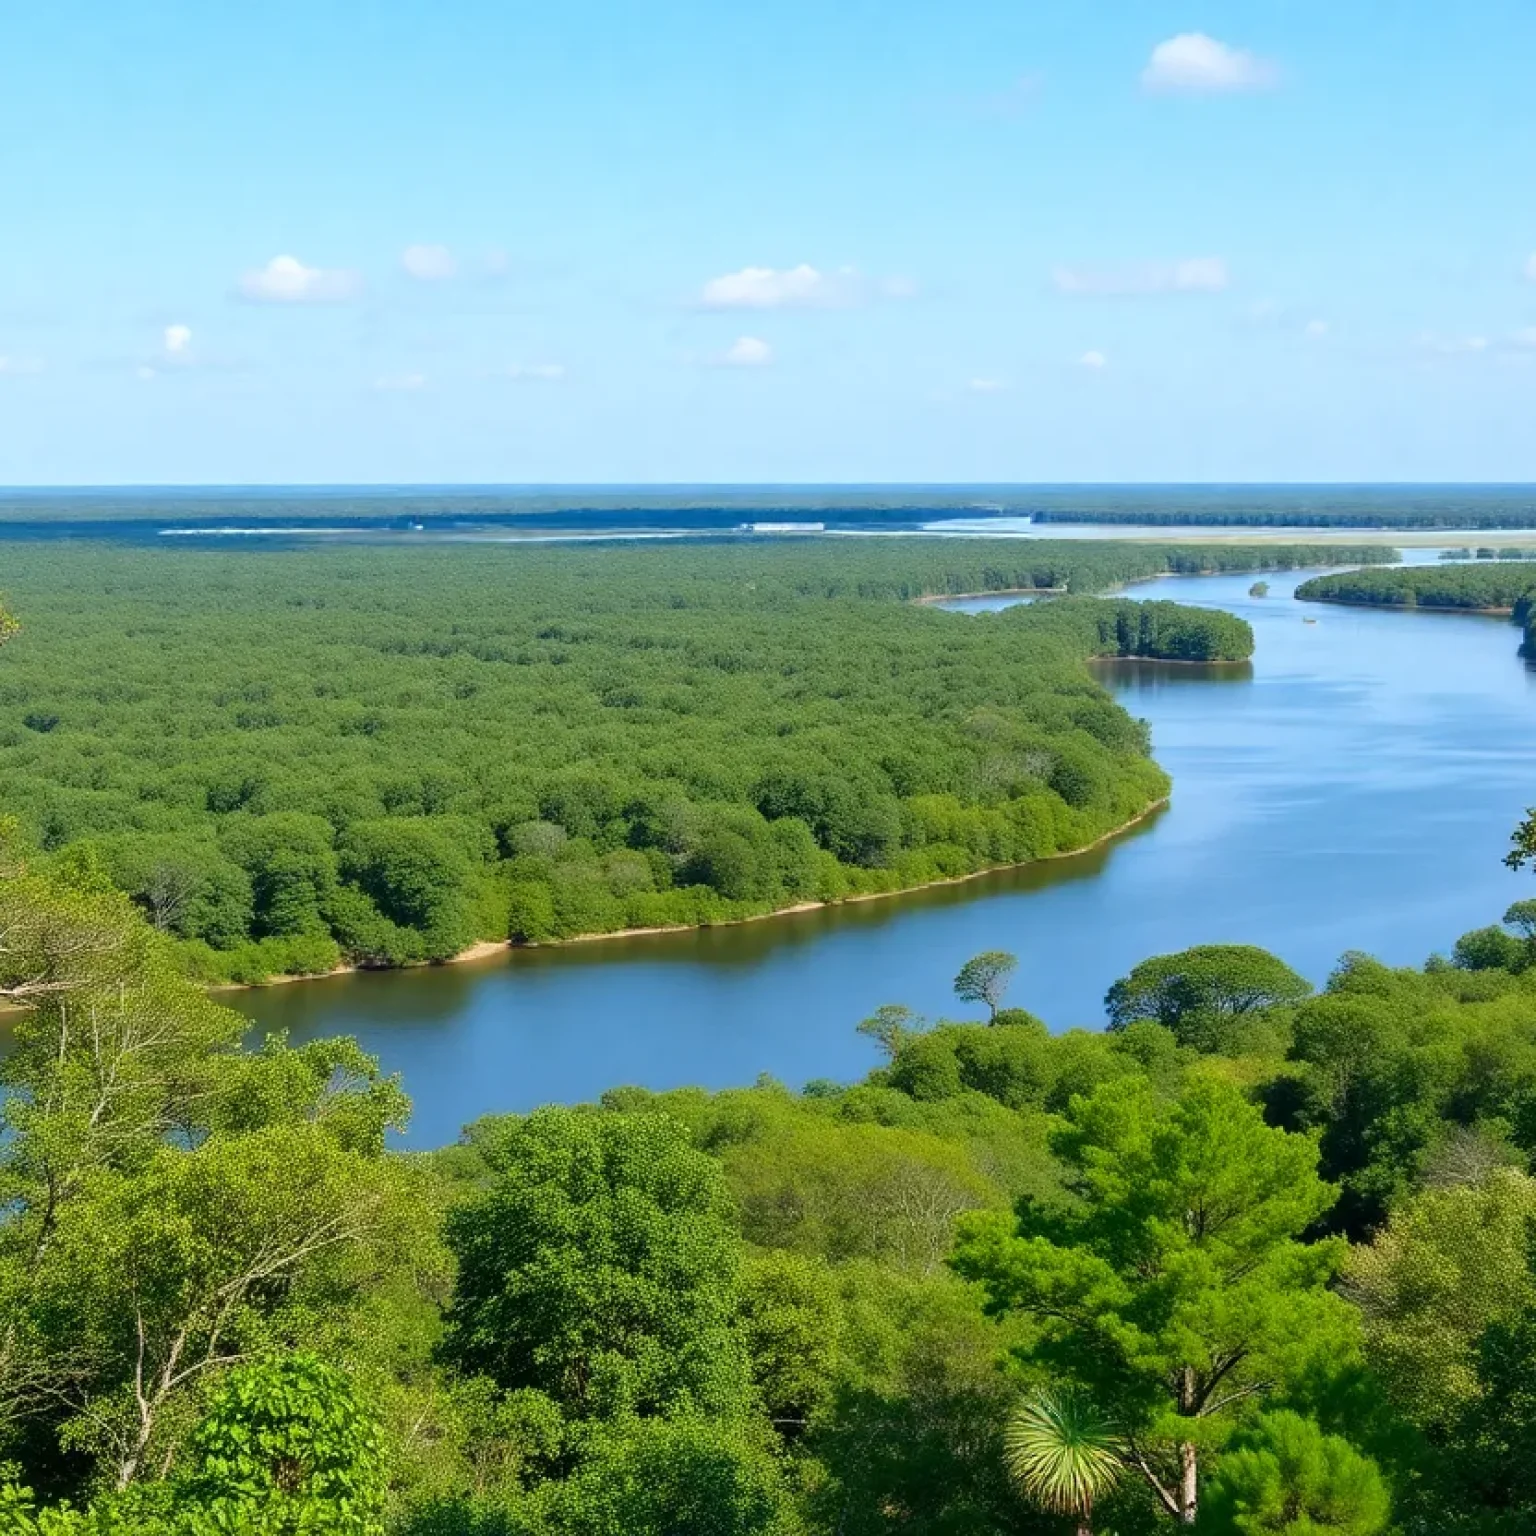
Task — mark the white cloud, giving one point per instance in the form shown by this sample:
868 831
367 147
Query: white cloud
1094 360
1196 274
286 280
547 372
747 352
987 386
428 263
178 340
1453 346
800 287
1316 329
392 383
1195 64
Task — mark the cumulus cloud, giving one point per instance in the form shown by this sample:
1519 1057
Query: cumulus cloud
746 352
546 372
177 340
1196 274
429 263
1093 360
394 383
801 287
1194 64
286 280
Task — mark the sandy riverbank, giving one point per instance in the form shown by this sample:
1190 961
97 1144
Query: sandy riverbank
488 949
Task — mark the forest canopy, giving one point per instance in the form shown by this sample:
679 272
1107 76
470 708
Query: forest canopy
382 755
1496 586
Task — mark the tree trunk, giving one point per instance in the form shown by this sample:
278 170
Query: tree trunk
1083 1527
1189 1485
1189 1464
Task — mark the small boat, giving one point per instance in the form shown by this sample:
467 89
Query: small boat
1309 621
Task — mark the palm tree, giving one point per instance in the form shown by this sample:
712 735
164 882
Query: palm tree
1063 1454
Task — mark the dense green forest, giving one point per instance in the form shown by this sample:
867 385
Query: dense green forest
294 758
1493 587
1496 586
1255 1259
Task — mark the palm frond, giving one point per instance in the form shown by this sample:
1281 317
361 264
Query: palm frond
1062 1452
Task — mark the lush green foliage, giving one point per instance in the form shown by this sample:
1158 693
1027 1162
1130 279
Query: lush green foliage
600 1268
1284 1476
1495 586
382 755
1280 1282
1205 995
1171 1285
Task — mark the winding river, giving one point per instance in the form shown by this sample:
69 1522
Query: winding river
1354 789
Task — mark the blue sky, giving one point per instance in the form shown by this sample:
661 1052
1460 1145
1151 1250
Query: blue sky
474 240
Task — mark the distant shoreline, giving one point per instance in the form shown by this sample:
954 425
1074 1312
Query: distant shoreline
1359 602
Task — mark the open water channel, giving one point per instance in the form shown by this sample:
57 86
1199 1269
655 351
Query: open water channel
1354 789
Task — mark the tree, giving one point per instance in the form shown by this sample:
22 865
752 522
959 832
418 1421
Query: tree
984 979
1174 1287
891 1025
286 1445
690 1476
283 1448
1259 589
1491 1449
600 1267
1198 992
1063 1454
1449 1264
1488 949
1283 1476
171 1206
1521 916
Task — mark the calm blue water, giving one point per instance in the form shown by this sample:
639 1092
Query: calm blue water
1354 790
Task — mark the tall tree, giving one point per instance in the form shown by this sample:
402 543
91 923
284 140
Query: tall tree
984 979
1174 1286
